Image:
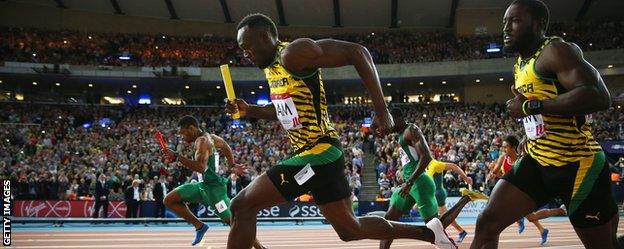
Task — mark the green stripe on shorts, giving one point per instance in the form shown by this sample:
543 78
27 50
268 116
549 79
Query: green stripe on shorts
588 182
326 157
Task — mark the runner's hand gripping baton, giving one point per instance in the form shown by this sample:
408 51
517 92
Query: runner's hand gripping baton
229 87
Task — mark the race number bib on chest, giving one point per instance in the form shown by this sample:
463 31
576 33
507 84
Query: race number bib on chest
534 126
286 111
405 158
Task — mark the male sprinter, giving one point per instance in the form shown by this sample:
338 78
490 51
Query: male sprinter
554 89
212 190
419 188
299 104
436 169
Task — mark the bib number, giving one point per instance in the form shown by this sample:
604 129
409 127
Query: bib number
304 174
221 206
534 126
404 157
216 158
286 111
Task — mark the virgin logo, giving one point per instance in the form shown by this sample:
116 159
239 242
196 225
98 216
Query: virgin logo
58 209
117 209
32 208
88 208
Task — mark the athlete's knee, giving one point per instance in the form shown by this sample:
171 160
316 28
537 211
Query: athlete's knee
351 230
349 234
237 205
487 224
240 207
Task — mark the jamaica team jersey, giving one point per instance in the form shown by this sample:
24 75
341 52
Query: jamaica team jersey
300 103
551 140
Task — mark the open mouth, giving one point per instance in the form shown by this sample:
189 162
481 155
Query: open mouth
507 38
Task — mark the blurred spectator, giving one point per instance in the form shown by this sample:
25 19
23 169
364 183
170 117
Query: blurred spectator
234 185
383 181
102 189
160 191
116 194
132 199
147 193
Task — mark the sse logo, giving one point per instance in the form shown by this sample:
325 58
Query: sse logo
272 212
304 211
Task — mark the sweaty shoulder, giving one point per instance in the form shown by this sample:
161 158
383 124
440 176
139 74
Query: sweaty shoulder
411 132
296 55
203 142
557 52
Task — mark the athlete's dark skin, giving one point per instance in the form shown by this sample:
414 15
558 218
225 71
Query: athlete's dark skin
415 138
585 93
303 56
203 146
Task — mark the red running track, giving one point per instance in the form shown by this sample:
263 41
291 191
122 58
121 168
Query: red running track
561 236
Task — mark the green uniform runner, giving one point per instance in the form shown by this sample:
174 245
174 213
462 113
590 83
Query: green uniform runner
211 192
423 190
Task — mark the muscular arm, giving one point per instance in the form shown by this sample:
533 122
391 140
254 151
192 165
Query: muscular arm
203 147
224 149
415 137
306 55
453 167
586 92
262 112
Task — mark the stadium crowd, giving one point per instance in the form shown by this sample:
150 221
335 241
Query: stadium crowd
59 151
71 47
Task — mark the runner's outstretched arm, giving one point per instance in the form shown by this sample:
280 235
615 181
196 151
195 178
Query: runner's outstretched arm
306 55
453 167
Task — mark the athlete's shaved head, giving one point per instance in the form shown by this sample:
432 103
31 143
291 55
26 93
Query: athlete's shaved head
258 21
524 25
538 10
187 121
257 37
189 128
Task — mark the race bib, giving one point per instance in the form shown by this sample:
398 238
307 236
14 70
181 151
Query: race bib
216 158
286 111
405 159
534 126
221 206
304 174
